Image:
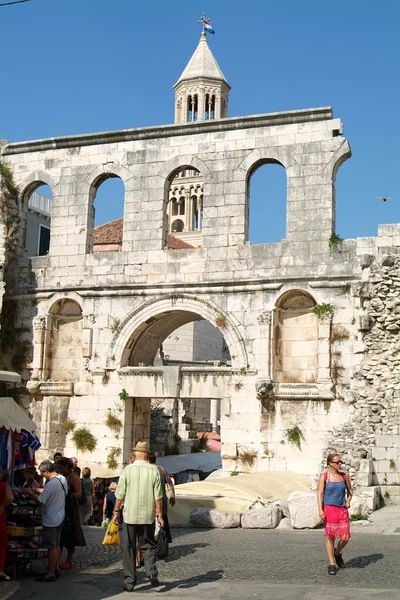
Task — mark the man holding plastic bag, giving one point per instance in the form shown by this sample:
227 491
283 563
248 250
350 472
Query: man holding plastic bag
139 490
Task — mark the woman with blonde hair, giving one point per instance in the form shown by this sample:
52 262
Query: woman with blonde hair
333 487
86 509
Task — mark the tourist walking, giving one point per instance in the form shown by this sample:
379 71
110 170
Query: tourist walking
333 487
52 500
139 489
6 497
86 509
109 502
165 479
71 534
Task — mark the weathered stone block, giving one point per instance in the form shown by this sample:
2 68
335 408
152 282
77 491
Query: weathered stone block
264 518
212 517
303 510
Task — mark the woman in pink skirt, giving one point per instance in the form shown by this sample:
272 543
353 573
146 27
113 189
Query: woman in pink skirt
333 487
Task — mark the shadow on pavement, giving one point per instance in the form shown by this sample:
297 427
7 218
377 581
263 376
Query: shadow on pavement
178 552
191 582
360 562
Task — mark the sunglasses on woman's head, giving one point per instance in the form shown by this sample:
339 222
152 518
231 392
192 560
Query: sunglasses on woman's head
336 462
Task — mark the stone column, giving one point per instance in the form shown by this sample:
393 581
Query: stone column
265 348
201 104
39 330
214 403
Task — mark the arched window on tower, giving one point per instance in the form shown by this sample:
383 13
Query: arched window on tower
192 108
181 203
210 107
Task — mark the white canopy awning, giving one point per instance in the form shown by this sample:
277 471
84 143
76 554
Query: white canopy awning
12 416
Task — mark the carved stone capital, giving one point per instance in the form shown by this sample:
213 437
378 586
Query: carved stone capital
90 319
264 317
39 322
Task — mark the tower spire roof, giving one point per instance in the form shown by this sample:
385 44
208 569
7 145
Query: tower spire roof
202 64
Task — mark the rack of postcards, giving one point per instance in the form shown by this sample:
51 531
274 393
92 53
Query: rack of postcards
24 533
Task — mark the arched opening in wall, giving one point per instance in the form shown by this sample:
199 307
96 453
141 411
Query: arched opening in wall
170 340
266 202
184 199
36 208
295 339
64 350
106 218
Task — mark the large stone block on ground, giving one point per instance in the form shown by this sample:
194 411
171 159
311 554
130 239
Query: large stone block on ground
213 517
358 506
263 518
303 510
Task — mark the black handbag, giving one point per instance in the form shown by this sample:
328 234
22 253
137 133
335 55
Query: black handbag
162 544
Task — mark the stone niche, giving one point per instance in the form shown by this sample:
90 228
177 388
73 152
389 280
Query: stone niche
63 359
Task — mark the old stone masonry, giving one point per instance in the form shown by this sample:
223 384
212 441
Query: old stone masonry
310 325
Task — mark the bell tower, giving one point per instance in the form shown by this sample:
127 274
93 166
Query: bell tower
201 92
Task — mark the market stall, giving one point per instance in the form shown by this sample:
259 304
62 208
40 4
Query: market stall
18 444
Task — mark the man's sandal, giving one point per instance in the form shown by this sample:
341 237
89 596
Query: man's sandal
332 570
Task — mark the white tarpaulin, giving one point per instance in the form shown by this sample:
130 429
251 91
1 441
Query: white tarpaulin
239 493
198 461
12 416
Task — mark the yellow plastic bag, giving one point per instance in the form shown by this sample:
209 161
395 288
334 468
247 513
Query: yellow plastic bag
112 535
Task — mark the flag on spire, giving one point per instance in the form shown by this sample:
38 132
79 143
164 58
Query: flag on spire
207 28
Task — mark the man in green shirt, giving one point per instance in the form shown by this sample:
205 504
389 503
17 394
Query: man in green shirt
139 490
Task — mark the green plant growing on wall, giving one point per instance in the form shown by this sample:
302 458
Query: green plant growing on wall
324 311
233 473
69 425
221 321
9 196
294 436
243 370
106 378
238 385
386 495
335 244
200 445
392 465
175 447
112 456
385 479
84 440
123 395
113 422
114 324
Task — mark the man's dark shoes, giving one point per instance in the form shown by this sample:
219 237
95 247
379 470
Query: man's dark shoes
339 561
154 581
129 589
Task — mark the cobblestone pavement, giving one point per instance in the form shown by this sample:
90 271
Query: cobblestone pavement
231 556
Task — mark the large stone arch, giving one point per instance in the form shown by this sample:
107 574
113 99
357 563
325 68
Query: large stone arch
35 180
140 319
167 168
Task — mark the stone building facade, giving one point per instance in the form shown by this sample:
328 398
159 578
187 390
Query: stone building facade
310 323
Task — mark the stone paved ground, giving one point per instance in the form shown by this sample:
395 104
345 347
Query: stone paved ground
204 558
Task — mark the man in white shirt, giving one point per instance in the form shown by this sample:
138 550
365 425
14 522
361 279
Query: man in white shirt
52 500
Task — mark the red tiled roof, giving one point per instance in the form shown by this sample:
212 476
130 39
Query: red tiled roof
177 244
109 233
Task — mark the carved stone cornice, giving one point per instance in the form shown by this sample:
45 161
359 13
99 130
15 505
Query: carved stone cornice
51 388
302 391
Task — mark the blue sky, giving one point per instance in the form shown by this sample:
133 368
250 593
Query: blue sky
75 66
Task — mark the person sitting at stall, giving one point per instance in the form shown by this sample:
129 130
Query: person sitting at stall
30 474
6 497
71 534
